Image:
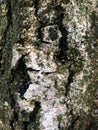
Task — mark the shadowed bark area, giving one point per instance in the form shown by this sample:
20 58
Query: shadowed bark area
48 65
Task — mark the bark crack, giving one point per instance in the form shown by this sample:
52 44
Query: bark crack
62 56
36 4
0 58
21 70
70 80
9 19
73 123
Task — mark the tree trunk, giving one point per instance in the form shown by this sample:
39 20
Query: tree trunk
48 64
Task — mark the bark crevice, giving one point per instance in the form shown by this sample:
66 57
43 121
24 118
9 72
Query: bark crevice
70 80
9 19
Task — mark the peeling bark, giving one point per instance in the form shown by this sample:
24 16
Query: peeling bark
48 65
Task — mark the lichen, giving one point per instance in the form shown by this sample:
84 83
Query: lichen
50 77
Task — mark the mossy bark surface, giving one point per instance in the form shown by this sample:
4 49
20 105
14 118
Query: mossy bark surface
48 65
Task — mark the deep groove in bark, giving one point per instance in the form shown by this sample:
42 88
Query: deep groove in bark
70 80
11 124
13 104
0 58
22 73
40 33
36 110
36 3
34 116
62 56
73 123
9 18
32 70
39 36
14 119
25 123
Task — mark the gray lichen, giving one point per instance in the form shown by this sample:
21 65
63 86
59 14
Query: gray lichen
50 80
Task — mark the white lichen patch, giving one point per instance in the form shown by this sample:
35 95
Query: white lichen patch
31 92
18 51
32 60
78 24
50 112
47 87
39 60
15 58
51 105
24 104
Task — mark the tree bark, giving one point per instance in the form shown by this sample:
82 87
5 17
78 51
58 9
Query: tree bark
48 64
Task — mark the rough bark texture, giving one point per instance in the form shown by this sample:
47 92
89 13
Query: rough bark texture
48 64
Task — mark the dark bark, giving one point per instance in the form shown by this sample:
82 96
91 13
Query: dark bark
48 65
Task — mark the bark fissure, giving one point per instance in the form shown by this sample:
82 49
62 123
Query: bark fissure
11 124
73 124
0 58
21 70
9 19
63 46
70 80
36 4
35 116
